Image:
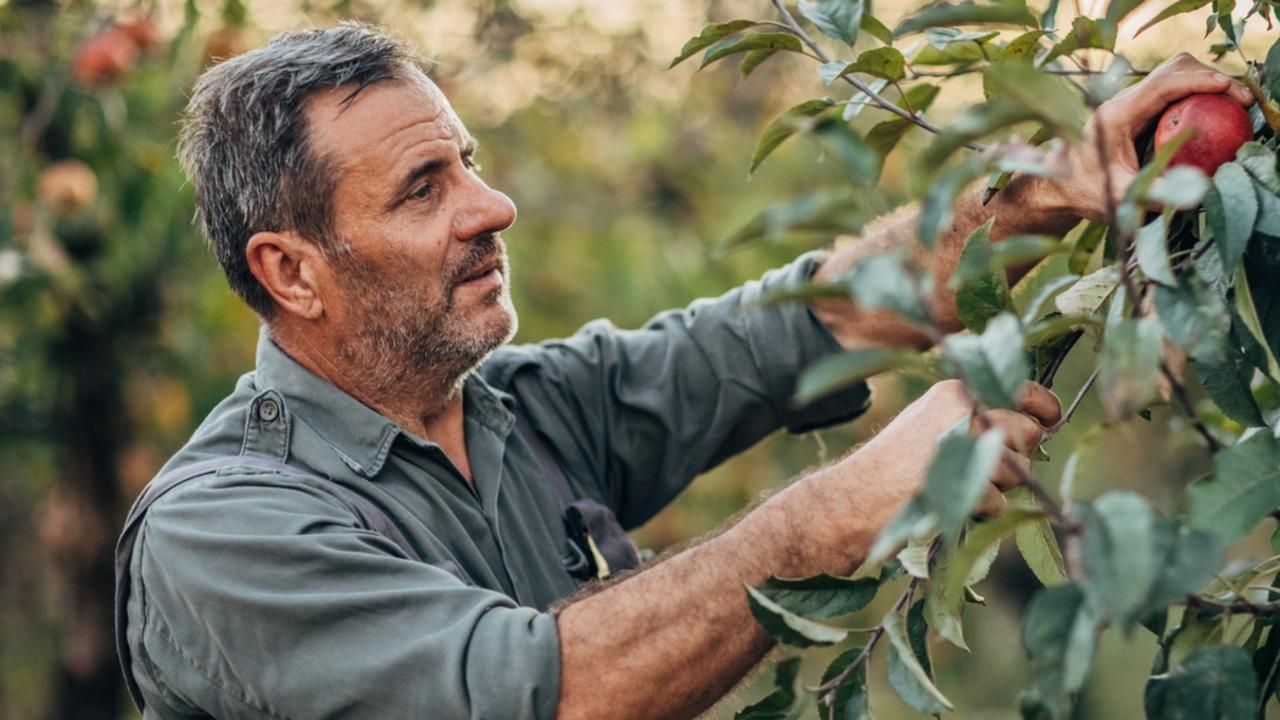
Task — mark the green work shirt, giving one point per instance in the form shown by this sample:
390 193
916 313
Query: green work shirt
259 595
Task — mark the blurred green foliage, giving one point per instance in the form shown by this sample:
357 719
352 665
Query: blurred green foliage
117 333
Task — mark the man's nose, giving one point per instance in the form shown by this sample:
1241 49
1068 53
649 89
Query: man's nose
489 211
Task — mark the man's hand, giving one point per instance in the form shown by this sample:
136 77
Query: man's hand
892 466
1115 125
683 624
1028 204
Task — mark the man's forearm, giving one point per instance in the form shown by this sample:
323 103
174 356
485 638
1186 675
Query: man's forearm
669 641
1018 209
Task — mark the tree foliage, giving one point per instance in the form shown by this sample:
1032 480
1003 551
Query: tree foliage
1182 272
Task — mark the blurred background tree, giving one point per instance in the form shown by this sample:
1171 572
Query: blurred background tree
117 333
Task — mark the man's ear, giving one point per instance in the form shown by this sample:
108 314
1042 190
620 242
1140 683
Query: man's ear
290 268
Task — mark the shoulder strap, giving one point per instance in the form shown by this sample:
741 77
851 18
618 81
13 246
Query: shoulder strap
371 516
590 525
559 483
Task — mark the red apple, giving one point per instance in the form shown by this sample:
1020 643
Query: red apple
104 57
1221 126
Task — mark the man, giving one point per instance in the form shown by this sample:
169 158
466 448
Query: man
337 188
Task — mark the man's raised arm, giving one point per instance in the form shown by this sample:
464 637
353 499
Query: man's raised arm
1027 205
667 642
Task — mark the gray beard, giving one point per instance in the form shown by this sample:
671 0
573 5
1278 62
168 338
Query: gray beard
401 347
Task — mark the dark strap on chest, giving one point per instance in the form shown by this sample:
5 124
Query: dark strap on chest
593 528
370 515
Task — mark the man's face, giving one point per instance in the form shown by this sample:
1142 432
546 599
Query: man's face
419 289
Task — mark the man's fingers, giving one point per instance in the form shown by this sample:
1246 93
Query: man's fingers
1138 105
992 504
1022 433
1040 403
1012 468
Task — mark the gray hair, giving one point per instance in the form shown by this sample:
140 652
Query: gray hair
245 143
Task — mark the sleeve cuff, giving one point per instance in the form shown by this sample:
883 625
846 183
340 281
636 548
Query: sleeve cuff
787 338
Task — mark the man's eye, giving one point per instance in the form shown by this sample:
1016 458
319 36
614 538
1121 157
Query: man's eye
423 191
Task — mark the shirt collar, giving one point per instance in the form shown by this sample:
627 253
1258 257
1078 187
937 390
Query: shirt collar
360 435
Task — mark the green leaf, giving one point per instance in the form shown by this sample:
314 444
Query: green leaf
1179 188
884 281
1252 320
1215 681
785 125
1121 551
851 700
1195 317
884 136
751 41
1044 294
820 597
838 19
993 364
754 58
1128 366
954 483
788 700
918 634
860 161
1049 19
1059 635
1022 48
976 553
957 477
1118 10
836 372
1227 382
1086 33
975 123
1178 8
876 29
960 53
965 13
1088 241
881 62
710 35
1193 558
1230 210
906 675
1271 71
1243 490
1152 251
1049 98
935 210
981 292
1036 542
789 628
827 211
1137 562
860 101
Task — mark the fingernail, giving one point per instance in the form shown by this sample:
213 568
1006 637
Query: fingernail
1219 77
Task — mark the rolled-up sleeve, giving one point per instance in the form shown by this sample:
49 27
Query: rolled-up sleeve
264 598
636 415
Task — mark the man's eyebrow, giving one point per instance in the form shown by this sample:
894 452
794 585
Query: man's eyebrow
469 149
422 170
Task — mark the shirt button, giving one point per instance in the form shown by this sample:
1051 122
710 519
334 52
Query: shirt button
268 410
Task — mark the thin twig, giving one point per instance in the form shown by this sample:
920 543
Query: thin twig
862 87
1071 410
1181 393
1233 606
831 686
917 74
1050 372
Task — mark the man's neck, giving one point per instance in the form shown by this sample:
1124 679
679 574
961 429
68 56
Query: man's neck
429 408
